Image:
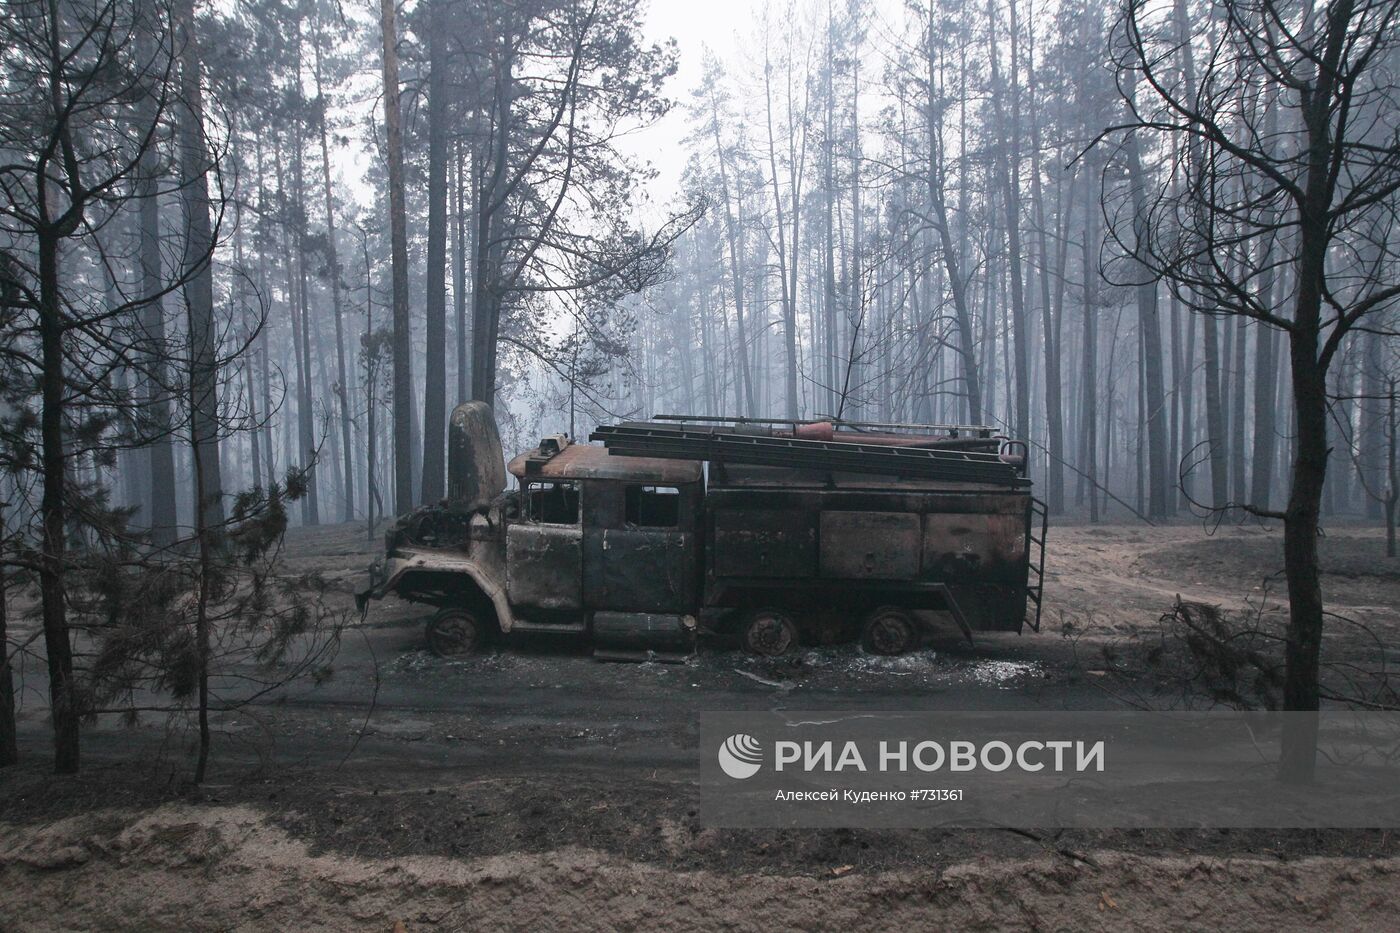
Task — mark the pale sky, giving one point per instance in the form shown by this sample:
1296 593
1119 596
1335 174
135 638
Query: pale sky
713 24
731 29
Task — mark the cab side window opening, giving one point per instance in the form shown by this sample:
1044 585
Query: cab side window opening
552 503
653 506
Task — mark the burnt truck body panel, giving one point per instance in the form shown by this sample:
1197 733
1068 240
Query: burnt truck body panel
475 464
544 566
845 547
641 570
641 554
856 545
761 541
624 545
469 569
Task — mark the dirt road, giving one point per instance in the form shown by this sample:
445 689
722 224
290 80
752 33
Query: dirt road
533 786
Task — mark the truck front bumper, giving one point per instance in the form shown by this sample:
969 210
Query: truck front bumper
378 577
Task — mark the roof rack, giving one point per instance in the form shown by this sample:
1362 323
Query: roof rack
951 430
653 439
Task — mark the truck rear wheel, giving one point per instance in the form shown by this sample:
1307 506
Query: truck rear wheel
454 633
768 632
888 630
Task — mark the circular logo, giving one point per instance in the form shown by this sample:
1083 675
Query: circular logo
740 756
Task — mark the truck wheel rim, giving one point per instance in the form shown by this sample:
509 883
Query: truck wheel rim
770 634
888 634
453 635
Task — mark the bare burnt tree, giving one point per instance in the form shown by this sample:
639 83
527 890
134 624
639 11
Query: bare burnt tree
104 116
1312 195
398 224
87 90
552 191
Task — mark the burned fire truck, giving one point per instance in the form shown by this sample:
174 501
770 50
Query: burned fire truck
775 532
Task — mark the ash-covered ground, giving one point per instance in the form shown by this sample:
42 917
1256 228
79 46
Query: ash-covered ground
534 787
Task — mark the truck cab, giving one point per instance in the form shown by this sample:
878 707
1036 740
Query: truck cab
606 545
588 544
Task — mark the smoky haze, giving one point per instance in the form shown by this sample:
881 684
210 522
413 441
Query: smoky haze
251 255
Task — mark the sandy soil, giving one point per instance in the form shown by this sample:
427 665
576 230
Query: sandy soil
224 868
532 788
1121 575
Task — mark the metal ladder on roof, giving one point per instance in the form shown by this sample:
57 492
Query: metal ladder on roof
650 439
1035 578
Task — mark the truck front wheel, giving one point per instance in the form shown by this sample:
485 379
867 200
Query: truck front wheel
888 630
454 633
768 632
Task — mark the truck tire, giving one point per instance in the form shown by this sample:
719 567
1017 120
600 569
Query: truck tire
455 633
889 631
768 632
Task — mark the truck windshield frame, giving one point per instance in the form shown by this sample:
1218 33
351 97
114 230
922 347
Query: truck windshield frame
551 503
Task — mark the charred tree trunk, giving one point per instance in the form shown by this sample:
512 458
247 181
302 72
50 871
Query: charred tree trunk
1392 488
1188 407
459 273
246 375
1154 395
1215 414
435 301
9 747
788 299
1371 429
306 425
829 333
1308 366
490 208
1054 412
957 285
1265 397
58 649
163 517
203 356
374 506
344 388
1089 389
195 166
302 444
1304 636
1238 446
1009 171
259 361
201 622
731 236
398 234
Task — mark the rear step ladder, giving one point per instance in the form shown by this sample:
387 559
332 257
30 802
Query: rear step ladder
1035 585
1036 561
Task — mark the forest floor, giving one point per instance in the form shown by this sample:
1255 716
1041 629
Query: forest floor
534 788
